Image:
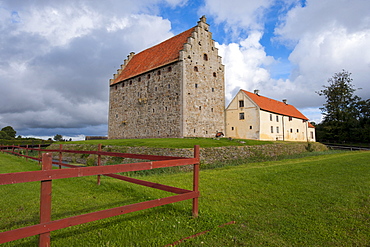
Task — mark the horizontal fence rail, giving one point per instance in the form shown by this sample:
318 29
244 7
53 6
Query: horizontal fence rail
47 175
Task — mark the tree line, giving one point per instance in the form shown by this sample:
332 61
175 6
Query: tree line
346 117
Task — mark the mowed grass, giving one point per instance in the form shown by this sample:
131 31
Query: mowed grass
174 142
312 201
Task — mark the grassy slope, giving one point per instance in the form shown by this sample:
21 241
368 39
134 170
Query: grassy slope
314 201
173 142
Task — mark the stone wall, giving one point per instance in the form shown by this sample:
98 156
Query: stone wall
147 106
207 155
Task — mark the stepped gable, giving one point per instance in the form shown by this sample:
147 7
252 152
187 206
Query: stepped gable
275 106
157 56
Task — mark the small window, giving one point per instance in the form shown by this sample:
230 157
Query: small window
200 108
250 127
232 128
277 129
194 130
241 103
205 57
169 86
277 118
311 134
241 116
196 85
148 76
130 82
123 84
115 87
139 79
155 89
169 69
270 117
158 72
272 129
297 130
291 130
214 74
213 89
211 109
195 68
290 118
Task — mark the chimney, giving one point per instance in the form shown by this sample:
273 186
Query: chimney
256 91
285 101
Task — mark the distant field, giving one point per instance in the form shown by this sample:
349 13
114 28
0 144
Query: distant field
174 142
314 201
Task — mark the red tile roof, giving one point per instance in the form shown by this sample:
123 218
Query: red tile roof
164 53
310 125
275 106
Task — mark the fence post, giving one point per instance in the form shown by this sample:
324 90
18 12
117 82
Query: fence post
99 162
45 200
196 181
39 155
27 152
60 155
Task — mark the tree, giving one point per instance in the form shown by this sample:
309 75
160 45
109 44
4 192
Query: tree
58 137
9 131
4 135
346 116
340 100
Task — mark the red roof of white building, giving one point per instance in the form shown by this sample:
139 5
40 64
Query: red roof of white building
275 106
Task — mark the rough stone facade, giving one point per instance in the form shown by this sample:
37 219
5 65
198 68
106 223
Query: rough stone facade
183 98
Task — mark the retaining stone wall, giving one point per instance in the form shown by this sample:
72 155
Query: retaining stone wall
207 155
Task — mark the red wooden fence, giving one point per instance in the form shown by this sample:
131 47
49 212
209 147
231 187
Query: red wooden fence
47 175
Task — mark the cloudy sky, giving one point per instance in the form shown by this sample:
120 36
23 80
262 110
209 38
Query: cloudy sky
56 57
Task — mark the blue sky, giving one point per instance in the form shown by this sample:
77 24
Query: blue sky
56 57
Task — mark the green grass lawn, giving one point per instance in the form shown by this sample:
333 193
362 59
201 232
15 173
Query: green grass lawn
173 142
313 201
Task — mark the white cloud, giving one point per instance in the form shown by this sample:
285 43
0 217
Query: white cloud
237 14
60 56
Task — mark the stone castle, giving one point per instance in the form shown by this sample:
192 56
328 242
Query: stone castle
173 89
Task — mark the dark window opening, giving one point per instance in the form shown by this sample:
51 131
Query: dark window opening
200 108
270 117
241 116
158 72
214 74
139 79
291 130
290 118
250 127
213 89
277 129
148 76
115 87
232 128
211 109
297 130
241 103
205 57
169 69
196 85
277 118
195 68
130 82
272 129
